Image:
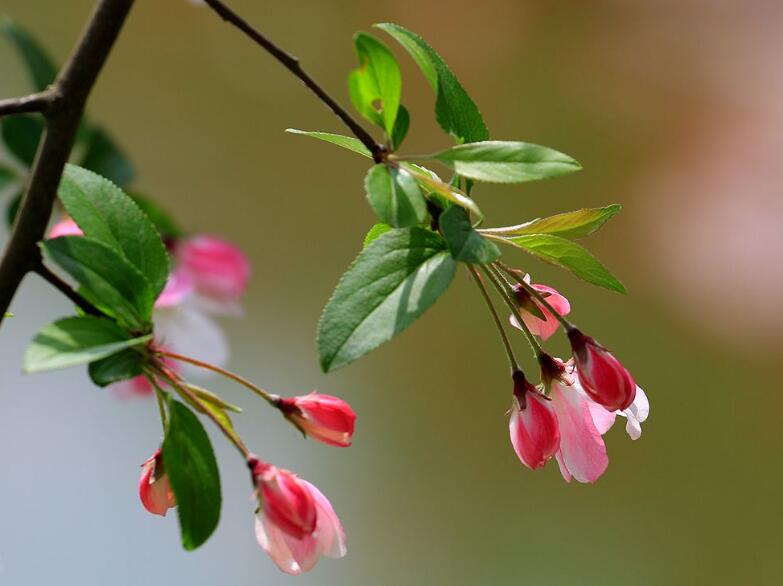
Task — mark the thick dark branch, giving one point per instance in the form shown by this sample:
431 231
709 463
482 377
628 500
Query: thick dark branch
32 103
292 64
64 113
66 290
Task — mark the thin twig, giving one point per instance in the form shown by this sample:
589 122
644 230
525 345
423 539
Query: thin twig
33 103
64 288
266 395
70 92
512 360
292 64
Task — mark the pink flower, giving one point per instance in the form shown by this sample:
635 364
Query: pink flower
295 524
602 376
528 307
582 453
154 487
65 227
218 269
178 288
533 427
323 417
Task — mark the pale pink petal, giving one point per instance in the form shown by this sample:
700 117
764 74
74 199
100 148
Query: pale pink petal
178 288
581 445
65 227
603 419
563 470
637 413
329 531
272 540
219 269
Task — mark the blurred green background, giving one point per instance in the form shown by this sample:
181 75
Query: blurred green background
675 110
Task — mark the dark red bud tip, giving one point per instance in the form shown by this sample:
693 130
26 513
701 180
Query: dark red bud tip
521 295
551 369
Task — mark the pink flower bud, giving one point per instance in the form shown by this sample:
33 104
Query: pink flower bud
286 501
154 487
325 418
534 430
603 378
65 227
219 269
530 309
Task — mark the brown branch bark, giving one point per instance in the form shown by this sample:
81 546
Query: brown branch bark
33 103
67 98
292 64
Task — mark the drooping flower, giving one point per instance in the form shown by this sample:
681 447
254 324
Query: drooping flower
530 309
219 270
533 427
601 375
635 415
582 454
65 227
323 417
295 522
154 487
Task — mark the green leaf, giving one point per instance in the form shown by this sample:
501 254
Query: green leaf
107 215
164 222
498 161
193 473
216 400
77 340
117 367
431 183
39 65
13 208
374 232
105 158
106 279
21 135
346 142
464 242
569 255
401 126
376 85
395 196
7 177
455 111
567 225
390 284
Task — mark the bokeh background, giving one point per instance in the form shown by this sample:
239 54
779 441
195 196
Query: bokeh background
675 108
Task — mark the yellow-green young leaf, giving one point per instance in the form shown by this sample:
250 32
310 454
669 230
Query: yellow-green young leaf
77 340
376 85
39 65
213 399
374 232
346 142
568 255
106 278
395 196
574 224
431 183
107 215
390 284
498 161
464 242
455 111
193 474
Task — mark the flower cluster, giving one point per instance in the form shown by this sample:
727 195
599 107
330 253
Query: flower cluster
578 400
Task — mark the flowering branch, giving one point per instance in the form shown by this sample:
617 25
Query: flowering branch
291 63
65 103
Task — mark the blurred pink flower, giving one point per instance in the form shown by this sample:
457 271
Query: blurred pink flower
540 327
601 375
295 524
154 487
219 270
533 427
65 227
323 417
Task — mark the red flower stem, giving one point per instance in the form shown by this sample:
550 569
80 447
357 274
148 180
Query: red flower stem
567 325
177 384
501 288
512 361
267 396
